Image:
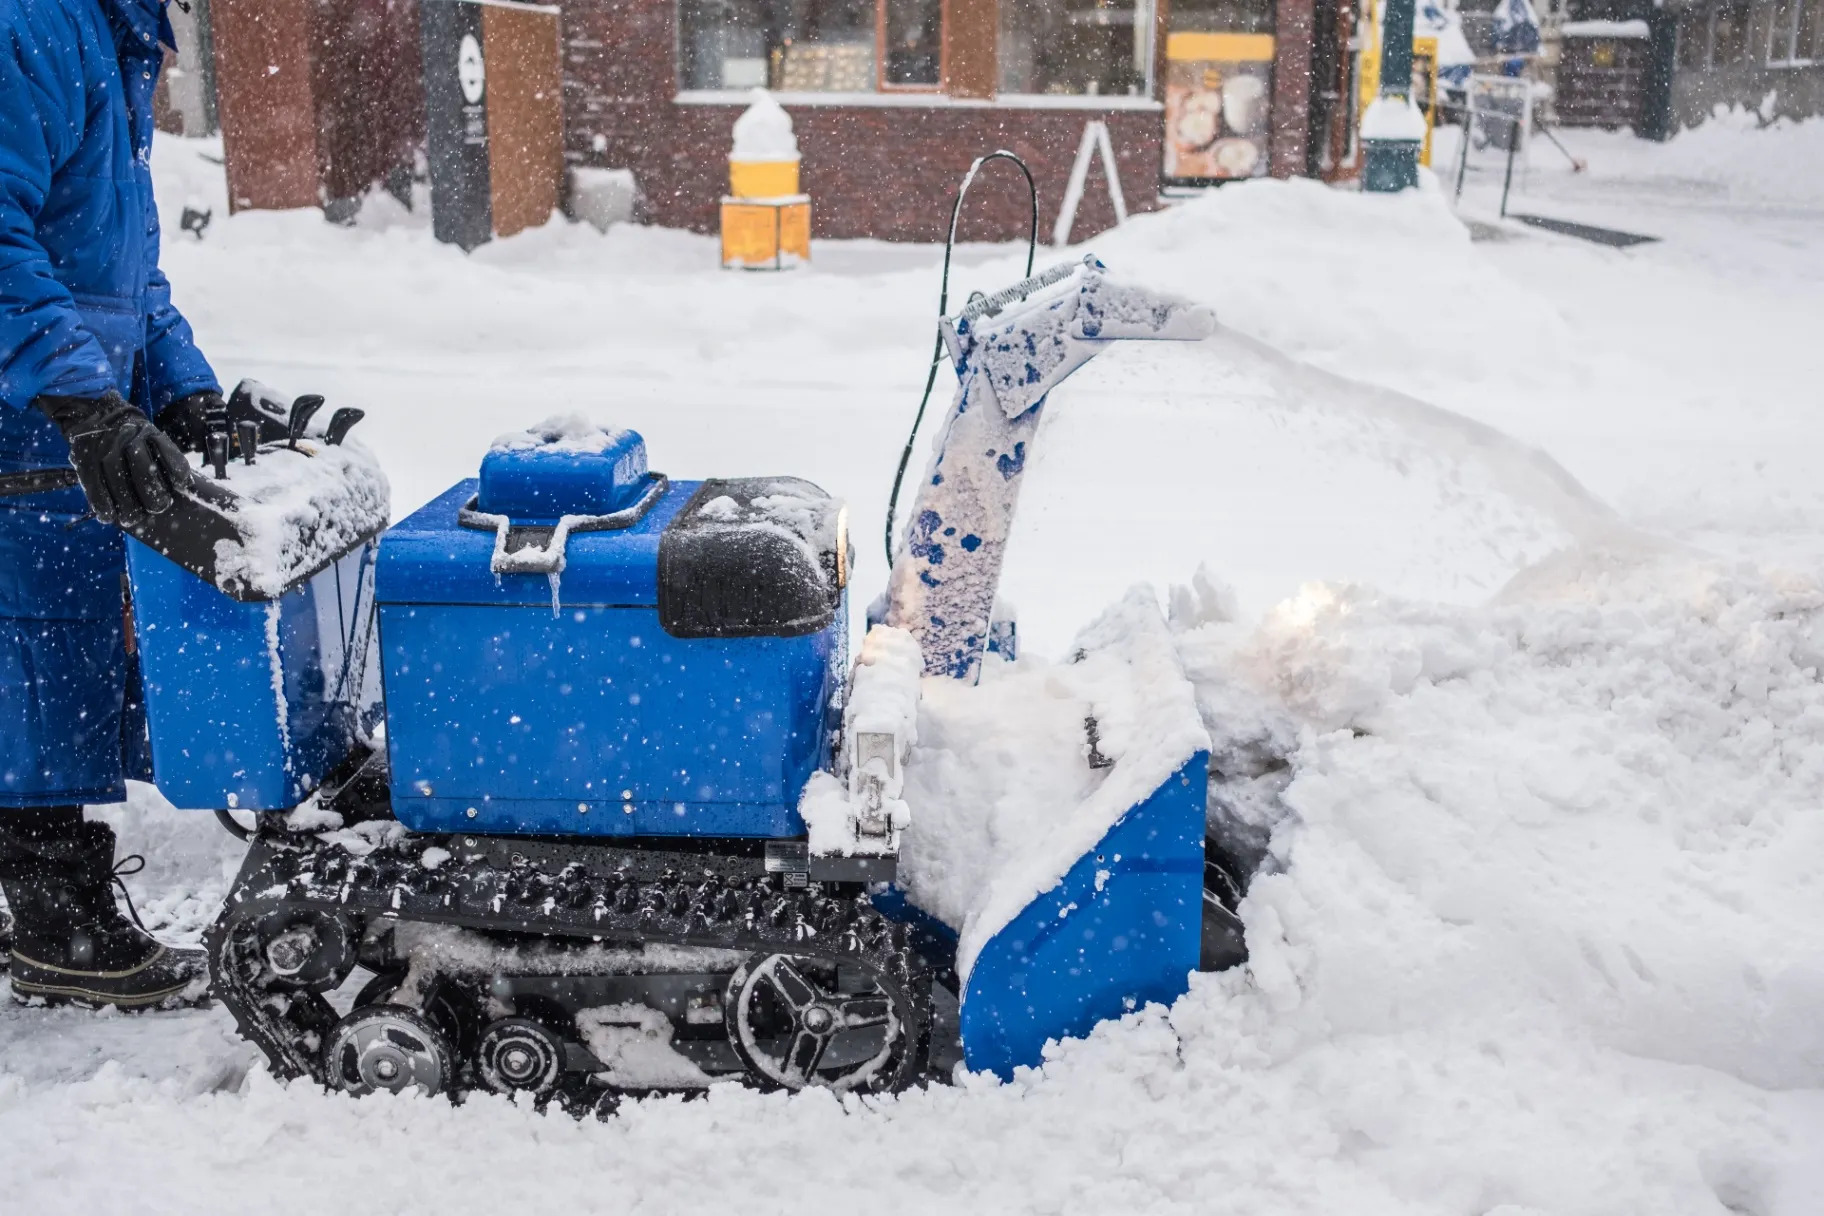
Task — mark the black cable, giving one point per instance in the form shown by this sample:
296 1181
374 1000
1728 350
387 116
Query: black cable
228 821
943 306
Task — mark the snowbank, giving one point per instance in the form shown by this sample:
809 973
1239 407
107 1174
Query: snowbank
1589 810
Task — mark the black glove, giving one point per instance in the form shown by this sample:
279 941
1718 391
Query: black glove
128 467
188 420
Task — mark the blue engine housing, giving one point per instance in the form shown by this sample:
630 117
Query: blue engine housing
675 678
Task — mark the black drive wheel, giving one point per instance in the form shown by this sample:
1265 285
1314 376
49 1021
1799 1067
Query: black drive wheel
798 1022
519 1055
388 1047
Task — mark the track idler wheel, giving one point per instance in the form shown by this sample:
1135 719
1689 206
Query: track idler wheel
798 1022
306 950
519 1055
388 1047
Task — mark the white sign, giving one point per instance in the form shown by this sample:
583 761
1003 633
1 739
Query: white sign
470 70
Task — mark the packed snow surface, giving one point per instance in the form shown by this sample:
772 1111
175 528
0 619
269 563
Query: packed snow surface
1541 916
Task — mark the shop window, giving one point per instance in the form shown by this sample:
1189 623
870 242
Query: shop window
1075 46
1218 89
912 43
1729 35
1694 40
810 46
1792 36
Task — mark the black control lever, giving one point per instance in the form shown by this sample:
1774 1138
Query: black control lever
215 445
247 434
302 410
340 423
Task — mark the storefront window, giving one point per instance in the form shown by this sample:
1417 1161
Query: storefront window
1792 34
1694 39
1075 46
912 33
1729 35
1223 16
810 46
1218 89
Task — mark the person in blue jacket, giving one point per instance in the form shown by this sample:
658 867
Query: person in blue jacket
91 351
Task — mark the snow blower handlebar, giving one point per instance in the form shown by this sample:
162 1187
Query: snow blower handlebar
264 514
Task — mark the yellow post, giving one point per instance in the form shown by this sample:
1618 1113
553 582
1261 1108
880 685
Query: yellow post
766 221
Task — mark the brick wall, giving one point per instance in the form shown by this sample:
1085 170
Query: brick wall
887 171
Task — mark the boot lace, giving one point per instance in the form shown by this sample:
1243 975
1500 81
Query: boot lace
124 869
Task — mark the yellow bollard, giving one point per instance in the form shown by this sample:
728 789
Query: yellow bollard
766 222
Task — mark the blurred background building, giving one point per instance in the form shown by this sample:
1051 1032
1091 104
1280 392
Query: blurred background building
320 101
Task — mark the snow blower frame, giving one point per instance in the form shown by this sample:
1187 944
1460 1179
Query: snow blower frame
635 824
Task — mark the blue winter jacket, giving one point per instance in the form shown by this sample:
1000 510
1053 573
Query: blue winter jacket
83 308
83 304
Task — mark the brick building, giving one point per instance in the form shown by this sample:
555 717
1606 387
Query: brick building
891 99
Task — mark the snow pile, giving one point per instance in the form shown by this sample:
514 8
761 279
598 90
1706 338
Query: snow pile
297 511
791 508
1393 118
1749 155
568 433
764 132
1600 28
633 1042
1014 780
866 813
1585 815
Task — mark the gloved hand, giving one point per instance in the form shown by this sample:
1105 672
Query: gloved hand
189 419
128 467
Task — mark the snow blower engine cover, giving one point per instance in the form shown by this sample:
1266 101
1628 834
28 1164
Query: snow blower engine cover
574 645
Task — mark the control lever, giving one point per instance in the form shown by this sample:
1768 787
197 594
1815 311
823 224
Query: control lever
340 423
215 445
248 434
302 410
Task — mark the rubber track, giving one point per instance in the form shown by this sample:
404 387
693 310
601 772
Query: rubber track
755 914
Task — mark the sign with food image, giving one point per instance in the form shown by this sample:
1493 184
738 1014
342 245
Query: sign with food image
1218 93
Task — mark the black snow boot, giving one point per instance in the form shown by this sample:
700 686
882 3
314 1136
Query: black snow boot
70 941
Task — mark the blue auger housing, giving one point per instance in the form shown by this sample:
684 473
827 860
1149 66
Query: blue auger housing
634 657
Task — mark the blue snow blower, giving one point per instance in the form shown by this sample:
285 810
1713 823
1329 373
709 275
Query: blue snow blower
626 818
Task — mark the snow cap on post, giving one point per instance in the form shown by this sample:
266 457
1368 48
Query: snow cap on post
764 132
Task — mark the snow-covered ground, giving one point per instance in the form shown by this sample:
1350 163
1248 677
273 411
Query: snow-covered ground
1522 543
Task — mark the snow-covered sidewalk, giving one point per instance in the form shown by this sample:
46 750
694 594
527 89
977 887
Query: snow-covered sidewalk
1510 629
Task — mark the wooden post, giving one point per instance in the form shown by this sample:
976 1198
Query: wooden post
1292 87
267 99
972 30
525 116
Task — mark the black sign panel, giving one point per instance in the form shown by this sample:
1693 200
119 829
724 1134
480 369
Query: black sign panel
456 121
